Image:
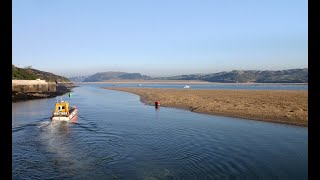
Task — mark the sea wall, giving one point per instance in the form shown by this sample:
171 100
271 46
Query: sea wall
33 86
36 89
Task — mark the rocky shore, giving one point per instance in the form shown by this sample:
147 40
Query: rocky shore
279 106
61 88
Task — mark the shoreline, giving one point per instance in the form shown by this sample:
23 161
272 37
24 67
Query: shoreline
277 106
26 96
185 82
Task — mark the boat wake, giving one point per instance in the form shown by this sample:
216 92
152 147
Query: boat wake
38 123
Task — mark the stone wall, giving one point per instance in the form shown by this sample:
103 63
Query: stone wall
33 86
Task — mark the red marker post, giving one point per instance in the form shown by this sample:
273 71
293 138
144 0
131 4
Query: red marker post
157 104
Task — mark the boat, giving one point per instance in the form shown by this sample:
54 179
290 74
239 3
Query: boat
186 86
63 111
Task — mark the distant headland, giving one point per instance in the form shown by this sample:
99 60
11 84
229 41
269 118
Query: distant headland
235 76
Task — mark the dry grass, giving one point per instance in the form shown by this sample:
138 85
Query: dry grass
290 107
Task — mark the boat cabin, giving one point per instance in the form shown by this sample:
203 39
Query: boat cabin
62 108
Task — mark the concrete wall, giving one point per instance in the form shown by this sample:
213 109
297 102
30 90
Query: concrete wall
33 86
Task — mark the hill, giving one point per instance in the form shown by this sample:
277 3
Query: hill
104 76
78 78
33 74
237 76
21 92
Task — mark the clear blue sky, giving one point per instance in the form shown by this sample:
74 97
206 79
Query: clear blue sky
159 38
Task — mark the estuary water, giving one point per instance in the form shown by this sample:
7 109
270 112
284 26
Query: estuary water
245 86
115 136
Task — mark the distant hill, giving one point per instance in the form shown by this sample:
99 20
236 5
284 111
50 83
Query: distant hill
237 76
103 76
78 78
32 74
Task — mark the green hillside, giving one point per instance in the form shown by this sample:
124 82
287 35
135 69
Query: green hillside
237 76
103 76
33 74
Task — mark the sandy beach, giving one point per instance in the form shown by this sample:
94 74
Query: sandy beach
280 106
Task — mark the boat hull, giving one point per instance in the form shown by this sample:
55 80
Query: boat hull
65 118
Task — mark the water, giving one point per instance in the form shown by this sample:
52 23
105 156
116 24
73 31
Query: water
115 136
210 86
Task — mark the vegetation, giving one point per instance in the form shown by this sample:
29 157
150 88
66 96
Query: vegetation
19 73
103 76
236 76
32 74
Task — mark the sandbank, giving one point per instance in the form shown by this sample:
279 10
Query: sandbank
279 106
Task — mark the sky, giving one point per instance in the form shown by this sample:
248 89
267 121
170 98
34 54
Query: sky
159 37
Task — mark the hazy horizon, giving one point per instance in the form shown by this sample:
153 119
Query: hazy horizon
72 38
167 74
177 73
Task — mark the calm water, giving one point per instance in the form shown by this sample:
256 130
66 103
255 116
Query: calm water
214 86
115 136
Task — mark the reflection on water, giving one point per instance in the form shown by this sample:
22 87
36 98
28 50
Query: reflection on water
115 136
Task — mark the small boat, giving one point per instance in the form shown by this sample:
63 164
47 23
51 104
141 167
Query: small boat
63 111
186 86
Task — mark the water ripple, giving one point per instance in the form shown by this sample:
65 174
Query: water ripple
117 137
